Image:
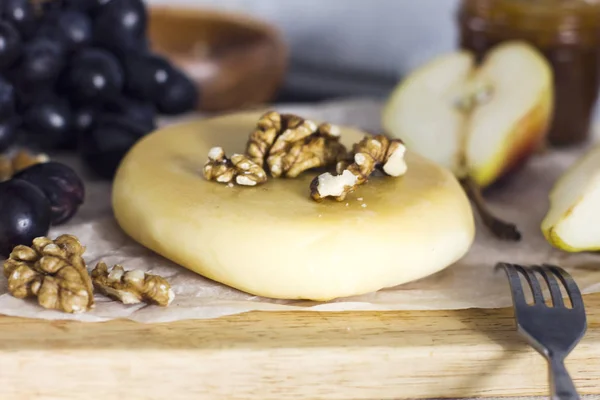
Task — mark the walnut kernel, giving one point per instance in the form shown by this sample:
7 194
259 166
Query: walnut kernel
297 130
132 287
239 169
53 271
372 153
263 137
321 149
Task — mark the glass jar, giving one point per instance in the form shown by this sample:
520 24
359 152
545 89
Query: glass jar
567 32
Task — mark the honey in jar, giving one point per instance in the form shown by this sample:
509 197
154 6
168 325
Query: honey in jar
567 32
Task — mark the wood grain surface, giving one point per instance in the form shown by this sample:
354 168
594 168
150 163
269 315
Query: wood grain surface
296 355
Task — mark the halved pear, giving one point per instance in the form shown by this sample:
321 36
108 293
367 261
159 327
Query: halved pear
478 120
573 219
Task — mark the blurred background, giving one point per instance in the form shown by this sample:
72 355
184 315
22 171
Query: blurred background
341 48
349 47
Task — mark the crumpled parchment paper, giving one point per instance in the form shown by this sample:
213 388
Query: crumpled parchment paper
472 282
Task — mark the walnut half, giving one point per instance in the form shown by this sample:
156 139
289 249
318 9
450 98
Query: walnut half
239 169
372 153
53 271
132 287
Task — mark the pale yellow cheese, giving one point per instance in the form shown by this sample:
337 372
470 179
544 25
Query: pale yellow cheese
273 240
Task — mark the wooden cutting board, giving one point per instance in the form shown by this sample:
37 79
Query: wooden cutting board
294 355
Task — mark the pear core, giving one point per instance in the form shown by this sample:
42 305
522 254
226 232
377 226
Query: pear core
273 240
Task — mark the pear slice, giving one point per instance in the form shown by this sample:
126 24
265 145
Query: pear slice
481 121
573 219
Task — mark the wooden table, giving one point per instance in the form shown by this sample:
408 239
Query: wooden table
297 355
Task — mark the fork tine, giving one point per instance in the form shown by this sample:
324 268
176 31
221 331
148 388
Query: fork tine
515 284
569 282
536 288
553 285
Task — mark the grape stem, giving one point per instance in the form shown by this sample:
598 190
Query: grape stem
499 228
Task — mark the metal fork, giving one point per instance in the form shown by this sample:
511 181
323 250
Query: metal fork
553 330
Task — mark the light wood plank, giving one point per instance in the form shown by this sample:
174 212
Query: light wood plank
297 355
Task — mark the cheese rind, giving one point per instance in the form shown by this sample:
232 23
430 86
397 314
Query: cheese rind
273 240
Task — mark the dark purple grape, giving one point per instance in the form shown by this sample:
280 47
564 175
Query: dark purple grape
180 95
48 122
140 112
27 94
147 75
60 184
8 134
87 6
154 78
7 100
120 25
84 119
73 29
94 76
42 61
10 44
24 214
103 148
21 14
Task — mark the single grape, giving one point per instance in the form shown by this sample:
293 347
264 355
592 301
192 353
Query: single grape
103 148
120 25
154 78
48 122
73 29
27 94
147 75
94 76
8 134
24 214
60 184
7 100
10 44
90 7
141 113
180 95
84 119
21 14
42 61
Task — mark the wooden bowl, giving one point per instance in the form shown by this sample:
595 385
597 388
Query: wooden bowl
236 61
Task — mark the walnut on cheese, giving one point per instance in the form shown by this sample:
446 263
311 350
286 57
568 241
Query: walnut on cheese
239 169
263 137
371 154
285 145
132 287
53 271
293 136
321 148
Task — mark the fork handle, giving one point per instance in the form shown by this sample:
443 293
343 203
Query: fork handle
561 384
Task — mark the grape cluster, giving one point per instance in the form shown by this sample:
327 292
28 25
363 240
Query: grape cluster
79 75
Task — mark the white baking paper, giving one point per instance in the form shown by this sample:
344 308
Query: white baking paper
472 282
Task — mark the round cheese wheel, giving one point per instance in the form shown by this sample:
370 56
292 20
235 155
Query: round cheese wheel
273 240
